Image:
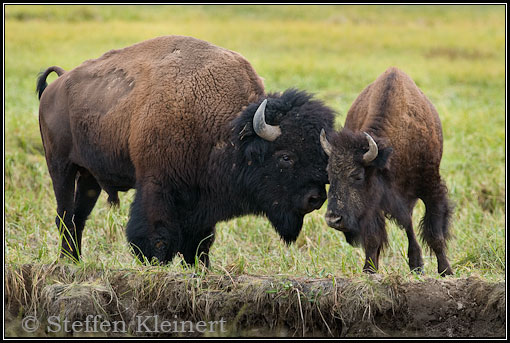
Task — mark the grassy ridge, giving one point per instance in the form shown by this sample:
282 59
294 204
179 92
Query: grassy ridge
456 55
257 306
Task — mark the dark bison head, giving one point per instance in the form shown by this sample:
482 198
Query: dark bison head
356 169
283 165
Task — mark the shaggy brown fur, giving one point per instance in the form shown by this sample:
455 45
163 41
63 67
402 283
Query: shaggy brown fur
407 129
160 116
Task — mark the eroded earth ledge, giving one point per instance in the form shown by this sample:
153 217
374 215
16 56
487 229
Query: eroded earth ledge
151 302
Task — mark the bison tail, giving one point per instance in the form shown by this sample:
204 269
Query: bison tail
41 79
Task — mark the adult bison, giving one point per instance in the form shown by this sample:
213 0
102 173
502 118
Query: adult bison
384 159
187 124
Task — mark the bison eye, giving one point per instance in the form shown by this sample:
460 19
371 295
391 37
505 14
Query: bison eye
358 177
285 160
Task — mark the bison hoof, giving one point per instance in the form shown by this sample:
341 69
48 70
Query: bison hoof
418 270
369 270
445 272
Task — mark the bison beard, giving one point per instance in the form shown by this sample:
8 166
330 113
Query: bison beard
287 224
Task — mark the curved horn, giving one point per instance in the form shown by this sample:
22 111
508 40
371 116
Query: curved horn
262 129
372 152
325 144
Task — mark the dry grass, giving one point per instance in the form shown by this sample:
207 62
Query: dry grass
252 305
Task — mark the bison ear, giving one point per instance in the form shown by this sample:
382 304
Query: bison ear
381 161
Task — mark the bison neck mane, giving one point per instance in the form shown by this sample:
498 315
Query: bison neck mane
238 167
233 166
390 204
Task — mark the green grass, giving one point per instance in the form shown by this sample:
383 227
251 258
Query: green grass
456 54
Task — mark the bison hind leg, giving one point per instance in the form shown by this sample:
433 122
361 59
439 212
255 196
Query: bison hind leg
87 192
149 242
435 226
63 175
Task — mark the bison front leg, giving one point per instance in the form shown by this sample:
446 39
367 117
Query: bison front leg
374 238
414 250
372 259
149 230
196 245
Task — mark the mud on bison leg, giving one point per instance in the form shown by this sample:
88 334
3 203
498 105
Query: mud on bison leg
151 238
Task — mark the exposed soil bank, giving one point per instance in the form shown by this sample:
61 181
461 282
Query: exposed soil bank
153 303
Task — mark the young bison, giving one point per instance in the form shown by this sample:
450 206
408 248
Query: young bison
187 124
384 159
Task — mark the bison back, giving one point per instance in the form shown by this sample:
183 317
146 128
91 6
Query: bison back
159 105
394 108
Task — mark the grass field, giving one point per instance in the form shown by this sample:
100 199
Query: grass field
456 55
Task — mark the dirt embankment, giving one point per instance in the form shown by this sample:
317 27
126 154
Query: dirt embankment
61 300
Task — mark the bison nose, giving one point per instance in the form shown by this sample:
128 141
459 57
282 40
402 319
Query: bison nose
335 221
313 200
